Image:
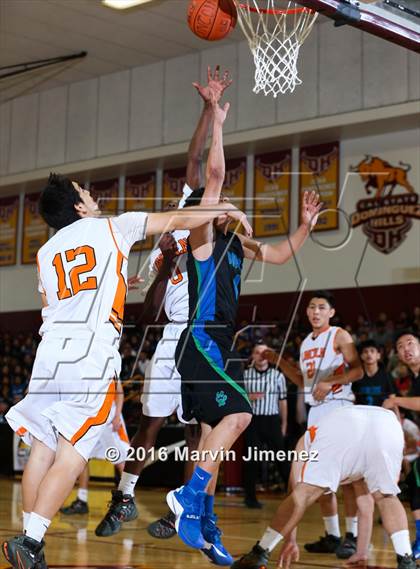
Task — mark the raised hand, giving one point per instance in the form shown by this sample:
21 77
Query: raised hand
311 206
220 113
215 87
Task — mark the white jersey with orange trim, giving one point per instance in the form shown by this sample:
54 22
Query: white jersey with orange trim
176 295
83 273
320 359
161 394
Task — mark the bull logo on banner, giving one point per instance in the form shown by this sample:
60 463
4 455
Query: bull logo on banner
387 215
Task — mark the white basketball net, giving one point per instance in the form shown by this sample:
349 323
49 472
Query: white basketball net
274 39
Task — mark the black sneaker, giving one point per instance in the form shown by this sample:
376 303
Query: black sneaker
257 558
164 528
24 552
326 544
76 507
122 508
347 546
253 504
406 562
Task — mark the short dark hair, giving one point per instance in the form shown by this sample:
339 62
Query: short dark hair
368 344
195 197
406 332
57 201
326 295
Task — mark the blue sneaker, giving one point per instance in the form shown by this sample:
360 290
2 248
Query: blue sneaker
416 549
188 507
214 549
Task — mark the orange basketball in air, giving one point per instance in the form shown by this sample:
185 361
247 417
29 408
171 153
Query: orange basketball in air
212 19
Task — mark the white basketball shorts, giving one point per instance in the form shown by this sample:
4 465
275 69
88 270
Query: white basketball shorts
70 393
353 443
162 384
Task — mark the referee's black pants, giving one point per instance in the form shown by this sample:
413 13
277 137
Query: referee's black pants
262 429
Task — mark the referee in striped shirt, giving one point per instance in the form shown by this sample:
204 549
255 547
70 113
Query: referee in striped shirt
266 387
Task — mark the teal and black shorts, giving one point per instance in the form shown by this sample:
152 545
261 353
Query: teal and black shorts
211 373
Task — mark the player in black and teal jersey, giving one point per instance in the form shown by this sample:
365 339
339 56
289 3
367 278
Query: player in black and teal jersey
211 372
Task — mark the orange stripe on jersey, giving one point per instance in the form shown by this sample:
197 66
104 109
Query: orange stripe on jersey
115 241
100 418
337 387
122 433
117 313
312 433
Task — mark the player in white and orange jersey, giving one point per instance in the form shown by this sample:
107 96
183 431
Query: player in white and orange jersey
359 444
83 281
329 363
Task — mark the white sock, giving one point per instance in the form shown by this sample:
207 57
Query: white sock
332 525
351 525
270 539
82 494
128 483
37 527
25 517
401 542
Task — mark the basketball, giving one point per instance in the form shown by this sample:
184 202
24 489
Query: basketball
212 19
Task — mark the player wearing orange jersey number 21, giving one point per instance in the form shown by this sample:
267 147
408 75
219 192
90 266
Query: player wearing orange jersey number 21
82 280
329 363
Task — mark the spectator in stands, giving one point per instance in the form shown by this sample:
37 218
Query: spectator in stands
267 391
376 384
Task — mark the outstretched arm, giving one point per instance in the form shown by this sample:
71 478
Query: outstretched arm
201 238
290 371
281 252
215 87
192 217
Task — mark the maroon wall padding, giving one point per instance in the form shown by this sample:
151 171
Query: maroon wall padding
277 307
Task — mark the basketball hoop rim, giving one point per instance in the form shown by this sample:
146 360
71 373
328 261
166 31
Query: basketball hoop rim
274 12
